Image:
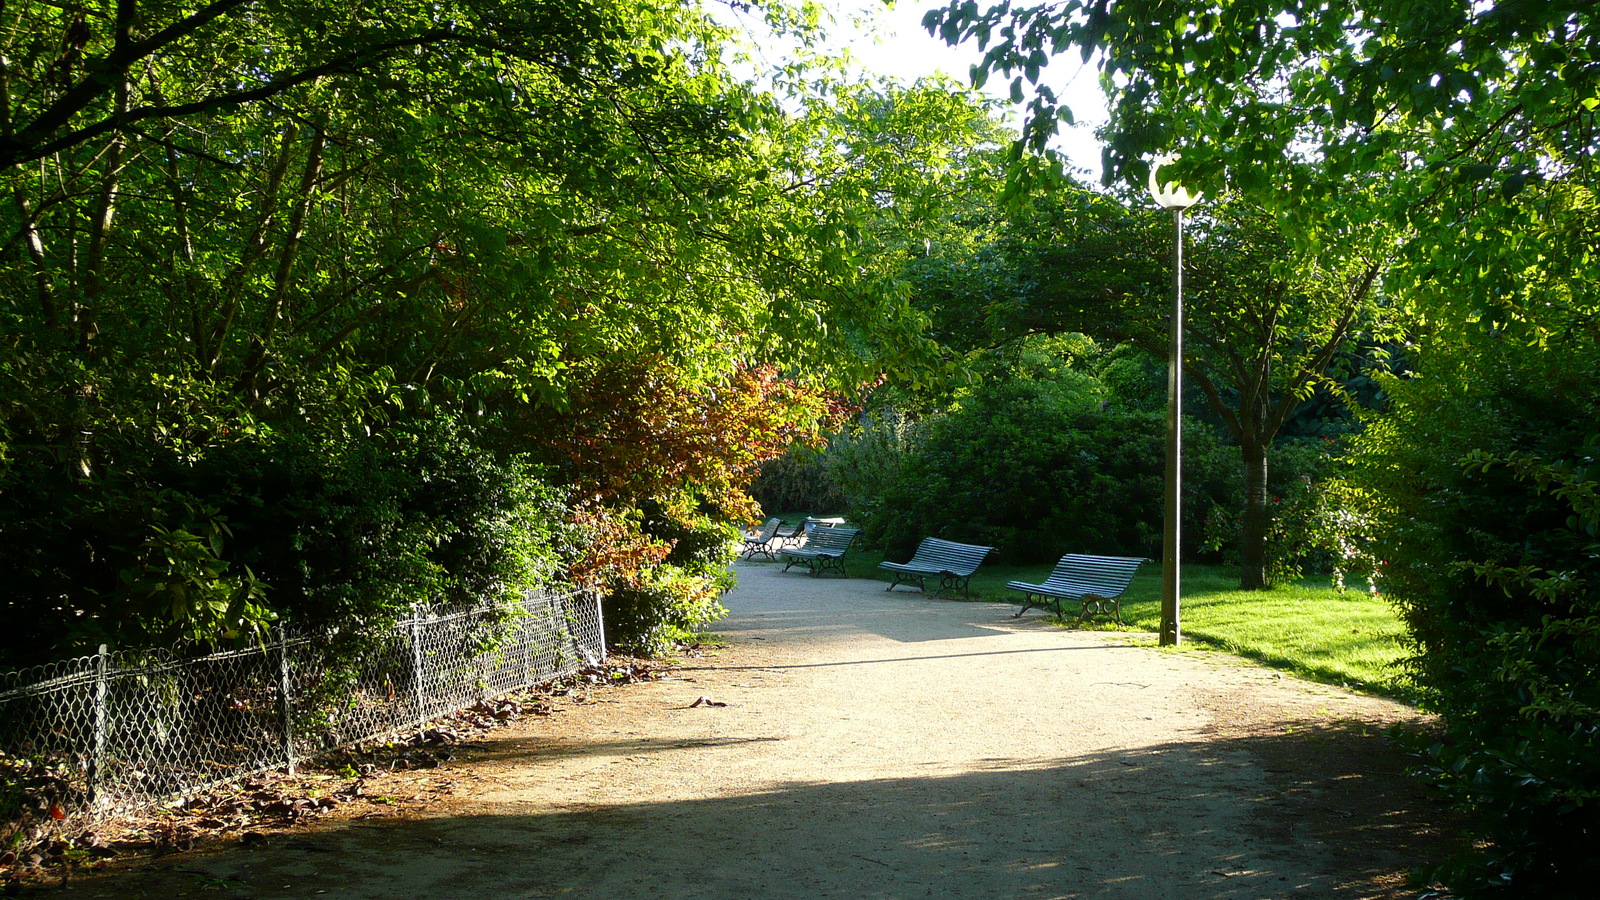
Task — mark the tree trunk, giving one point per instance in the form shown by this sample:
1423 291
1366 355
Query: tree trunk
1257 516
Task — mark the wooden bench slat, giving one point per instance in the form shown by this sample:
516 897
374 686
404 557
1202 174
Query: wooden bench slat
763 540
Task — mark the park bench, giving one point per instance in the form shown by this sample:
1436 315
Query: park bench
1088 580
954 564
824 549
762 540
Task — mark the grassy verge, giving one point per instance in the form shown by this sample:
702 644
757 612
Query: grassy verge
1351 639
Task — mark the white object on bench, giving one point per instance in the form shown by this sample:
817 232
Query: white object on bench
797 536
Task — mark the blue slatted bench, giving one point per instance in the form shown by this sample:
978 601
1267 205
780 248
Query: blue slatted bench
1087 580
954 564
823 551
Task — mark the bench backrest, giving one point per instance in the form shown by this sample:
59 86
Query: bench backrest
831 538
1103 576
767 531
948 556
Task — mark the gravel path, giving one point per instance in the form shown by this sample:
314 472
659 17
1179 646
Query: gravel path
886 745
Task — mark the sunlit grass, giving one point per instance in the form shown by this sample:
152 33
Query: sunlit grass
1351 638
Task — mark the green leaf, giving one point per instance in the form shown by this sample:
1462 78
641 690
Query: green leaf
1513 185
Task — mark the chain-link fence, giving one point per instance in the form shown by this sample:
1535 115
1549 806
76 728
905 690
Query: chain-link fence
102 735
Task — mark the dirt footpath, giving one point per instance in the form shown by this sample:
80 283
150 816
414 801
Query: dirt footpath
854 743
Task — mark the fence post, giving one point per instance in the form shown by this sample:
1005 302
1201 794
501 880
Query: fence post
285 702
525 659
600 623
97 755
417 670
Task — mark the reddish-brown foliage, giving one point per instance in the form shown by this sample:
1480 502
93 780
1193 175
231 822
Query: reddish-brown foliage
634 436
634 433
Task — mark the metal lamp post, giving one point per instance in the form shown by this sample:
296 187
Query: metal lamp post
1171 196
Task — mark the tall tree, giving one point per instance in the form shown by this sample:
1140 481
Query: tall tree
1430 115
1266 324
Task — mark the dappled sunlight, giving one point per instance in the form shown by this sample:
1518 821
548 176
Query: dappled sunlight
847 742
1352 638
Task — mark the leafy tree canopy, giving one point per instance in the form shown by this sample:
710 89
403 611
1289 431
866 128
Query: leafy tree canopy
255 252
1435 117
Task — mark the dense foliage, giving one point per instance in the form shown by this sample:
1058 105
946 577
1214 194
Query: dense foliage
326 534
657 470
798 480
320 311
1268 327
1036 478
1041 457
1486 489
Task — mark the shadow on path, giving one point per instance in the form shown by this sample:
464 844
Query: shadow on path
1138 825
846 765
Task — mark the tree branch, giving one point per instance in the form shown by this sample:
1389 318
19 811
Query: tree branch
31 143
1324 357
1214 400
27 144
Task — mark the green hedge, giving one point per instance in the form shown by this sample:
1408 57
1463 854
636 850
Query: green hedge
1483 479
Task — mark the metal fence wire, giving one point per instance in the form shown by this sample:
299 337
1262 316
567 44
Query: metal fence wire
100 736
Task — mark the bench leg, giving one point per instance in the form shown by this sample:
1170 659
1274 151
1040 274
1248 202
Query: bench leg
906 578
1044 602
1099 603
951 581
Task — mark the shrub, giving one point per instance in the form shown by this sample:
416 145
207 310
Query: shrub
1038 469
290 524
1133 380
797 480
660 468
1482 481
863 461
661 573
1305 534
414 515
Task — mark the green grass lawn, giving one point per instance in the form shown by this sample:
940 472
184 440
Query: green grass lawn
1307 628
